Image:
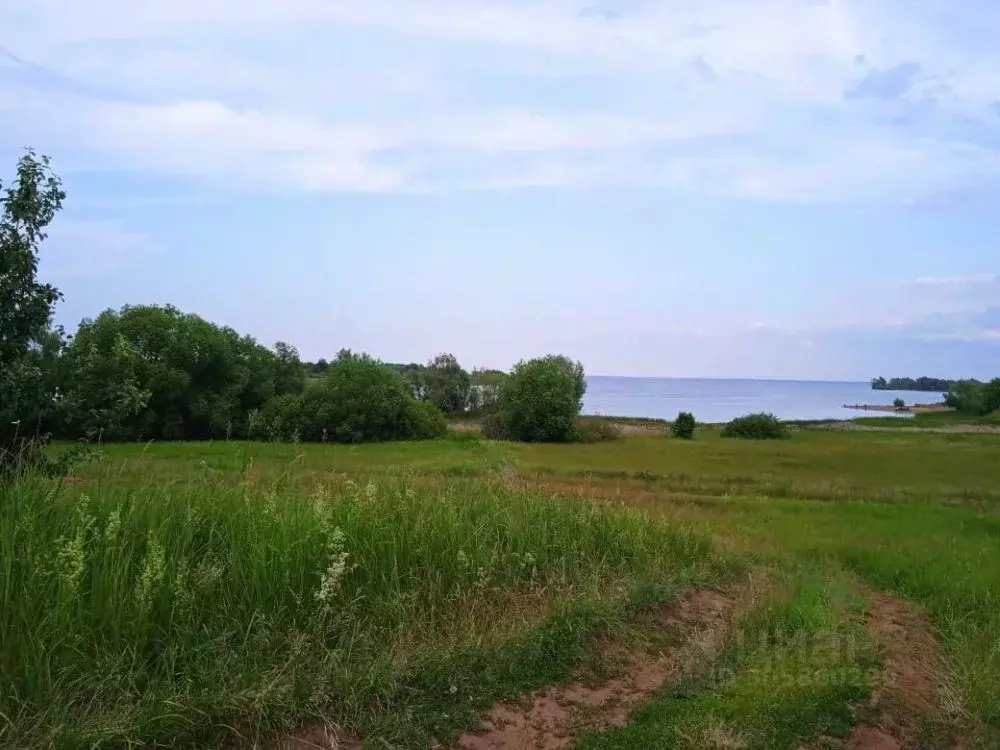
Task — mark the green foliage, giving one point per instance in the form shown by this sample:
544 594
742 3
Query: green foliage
930 385
281 418
155 372
899 403
684 426
760 426
29 204
104 395
542 399
424 420
358 399
446 384
974 398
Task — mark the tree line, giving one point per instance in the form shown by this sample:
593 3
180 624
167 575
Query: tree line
971 397
151 372
929 385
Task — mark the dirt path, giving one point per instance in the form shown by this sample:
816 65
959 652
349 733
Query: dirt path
913 703
555 716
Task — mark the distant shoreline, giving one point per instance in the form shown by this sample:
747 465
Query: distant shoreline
912 409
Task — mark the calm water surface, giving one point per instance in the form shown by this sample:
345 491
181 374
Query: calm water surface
718 400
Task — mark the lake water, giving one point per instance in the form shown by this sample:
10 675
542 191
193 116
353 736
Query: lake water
719 400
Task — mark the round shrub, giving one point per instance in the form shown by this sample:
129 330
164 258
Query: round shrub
541 401
358 399
426 421
683 426
760 426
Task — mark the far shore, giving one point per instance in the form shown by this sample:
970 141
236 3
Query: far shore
911 409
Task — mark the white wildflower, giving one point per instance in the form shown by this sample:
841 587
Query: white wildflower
113 525
153 570
335 571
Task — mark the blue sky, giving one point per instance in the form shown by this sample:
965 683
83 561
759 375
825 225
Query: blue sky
785 188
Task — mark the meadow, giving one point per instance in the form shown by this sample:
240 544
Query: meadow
231 594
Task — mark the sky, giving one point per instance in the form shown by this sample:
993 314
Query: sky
784 188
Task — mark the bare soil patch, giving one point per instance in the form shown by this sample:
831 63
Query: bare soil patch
554 716
913 702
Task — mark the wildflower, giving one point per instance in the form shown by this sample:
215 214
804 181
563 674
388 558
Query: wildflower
271 504
114 525
153 570
71 560
371 489
335 571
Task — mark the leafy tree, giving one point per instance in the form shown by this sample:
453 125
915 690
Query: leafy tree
575 371
289 374
446 384
909 384
973 397
541 400
684 426
202 380
899 403
28 204
105 395
360 400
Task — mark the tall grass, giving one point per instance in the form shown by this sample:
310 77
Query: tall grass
177 614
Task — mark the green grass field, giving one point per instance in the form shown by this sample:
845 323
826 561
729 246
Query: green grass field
218 594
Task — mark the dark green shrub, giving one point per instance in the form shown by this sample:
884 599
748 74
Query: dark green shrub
279 419
542 399
360 399
683 427
425 420
591 430
899 403
756 427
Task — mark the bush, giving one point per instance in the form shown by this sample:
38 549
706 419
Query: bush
683 426
756 427
280 419
899 403
425 420
541 401
360 399
357 400
595 430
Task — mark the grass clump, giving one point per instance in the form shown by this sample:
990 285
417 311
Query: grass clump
684 426
762 426
167 614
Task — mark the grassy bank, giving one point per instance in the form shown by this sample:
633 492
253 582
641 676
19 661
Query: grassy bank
186 594
174 615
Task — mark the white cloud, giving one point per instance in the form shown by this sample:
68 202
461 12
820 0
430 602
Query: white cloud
724 97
